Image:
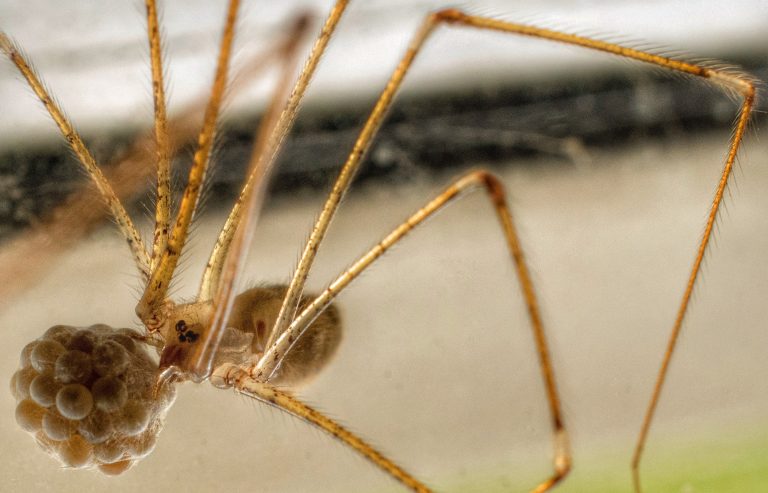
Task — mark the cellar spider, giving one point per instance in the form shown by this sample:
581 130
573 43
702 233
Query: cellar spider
249 341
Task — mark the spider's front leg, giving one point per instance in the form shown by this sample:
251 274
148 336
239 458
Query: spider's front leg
225 264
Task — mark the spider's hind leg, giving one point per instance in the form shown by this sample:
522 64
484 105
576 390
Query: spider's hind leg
480 179
164 265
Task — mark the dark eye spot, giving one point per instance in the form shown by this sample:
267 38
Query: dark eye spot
181 326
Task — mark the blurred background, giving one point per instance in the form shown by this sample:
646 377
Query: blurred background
610 167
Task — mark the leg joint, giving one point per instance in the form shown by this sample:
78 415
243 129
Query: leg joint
490 181
449 15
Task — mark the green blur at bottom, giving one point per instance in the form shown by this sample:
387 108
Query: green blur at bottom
738 464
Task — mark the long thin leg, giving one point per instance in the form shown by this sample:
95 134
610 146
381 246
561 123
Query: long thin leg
730 82
221 272
269 124
150 304
741 126
233 376
372 125
132 236
82 211
262 160
471 181
162 144
212 287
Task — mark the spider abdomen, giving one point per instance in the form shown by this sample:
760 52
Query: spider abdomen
255 311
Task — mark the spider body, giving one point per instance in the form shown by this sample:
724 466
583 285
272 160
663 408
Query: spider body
244 340
93 397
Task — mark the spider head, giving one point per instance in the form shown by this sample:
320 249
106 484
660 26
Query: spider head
182 332
87 396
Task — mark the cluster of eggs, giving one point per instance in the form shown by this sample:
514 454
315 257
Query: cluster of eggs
88 396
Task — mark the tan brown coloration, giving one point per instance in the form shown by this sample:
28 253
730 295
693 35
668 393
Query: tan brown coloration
160 277
86 159
162 146
65 226
277 334
748 92
255 312
244 340
454 16
228 253
91 403
261 165
230 375
274 118
265 369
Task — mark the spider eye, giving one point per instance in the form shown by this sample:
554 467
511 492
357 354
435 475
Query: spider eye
181 326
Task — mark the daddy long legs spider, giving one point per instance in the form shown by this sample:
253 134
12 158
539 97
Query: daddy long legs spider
448 17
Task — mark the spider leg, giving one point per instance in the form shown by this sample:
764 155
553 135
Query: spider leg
162 145
732 83
234 376
270 123
738 133
82 210
160 277
268 143
495 190
132 236
220 276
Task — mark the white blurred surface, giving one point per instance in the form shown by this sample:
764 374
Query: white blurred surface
93 54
